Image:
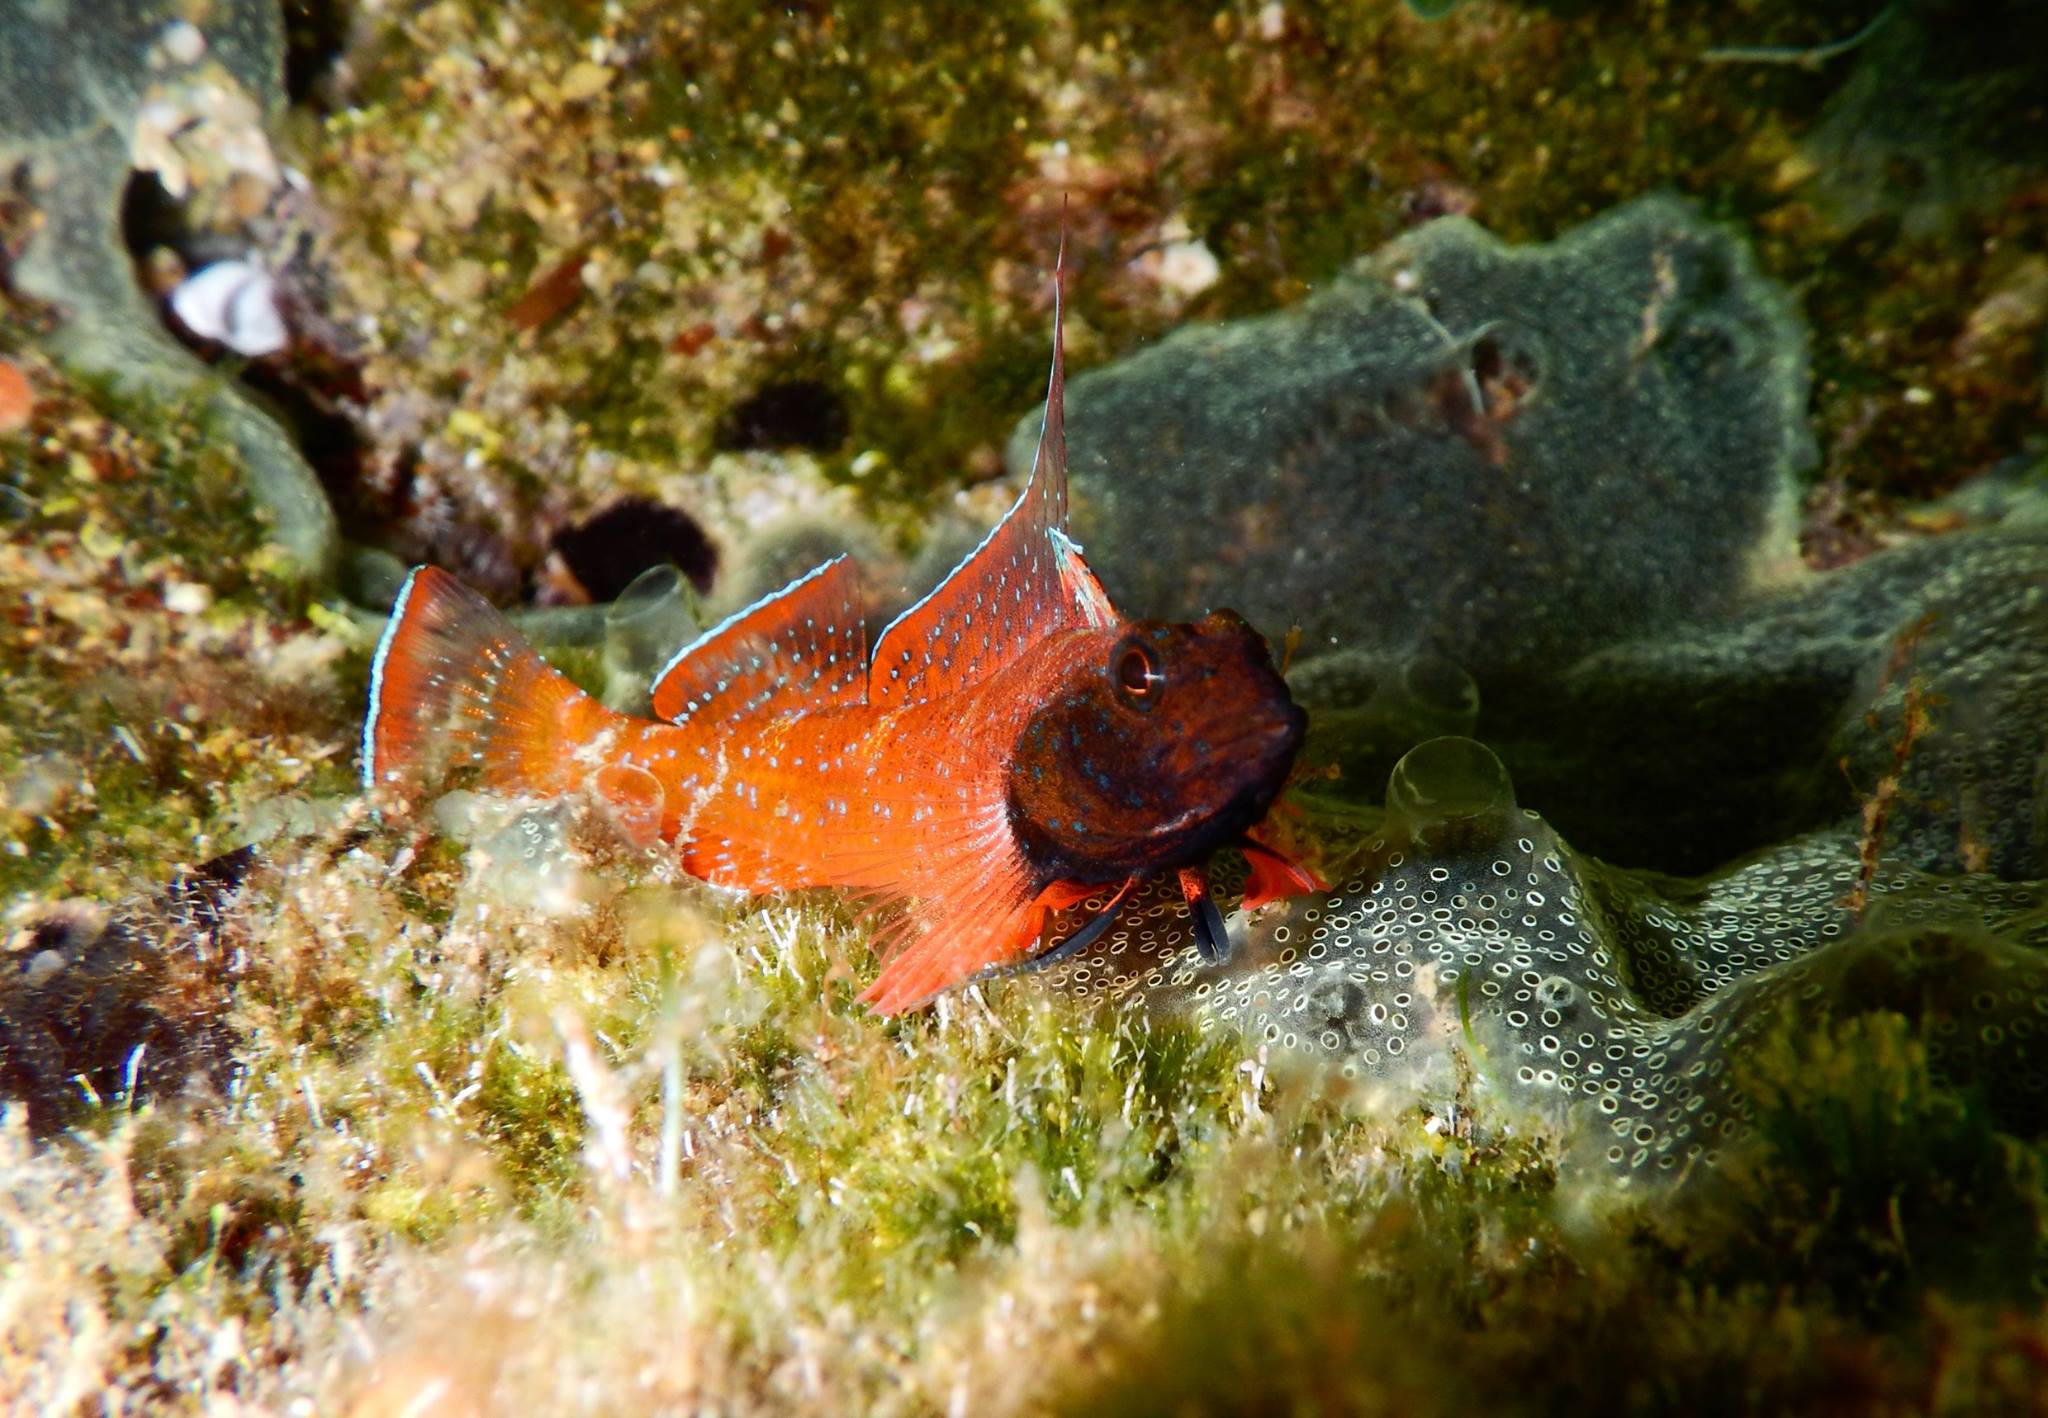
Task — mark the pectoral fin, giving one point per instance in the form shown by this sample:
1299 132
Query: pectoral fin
1274 877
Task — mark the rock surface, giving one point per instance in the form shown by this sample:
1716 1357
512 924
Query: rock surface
90 95
1684 751
1462 447
1539 497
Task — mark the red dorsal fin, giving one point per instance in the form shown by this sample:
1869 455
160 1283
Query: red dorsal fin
804 647
1024 582
1088 603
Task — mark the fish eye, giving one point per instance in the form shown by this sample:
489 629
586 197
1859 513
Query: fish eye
1135 672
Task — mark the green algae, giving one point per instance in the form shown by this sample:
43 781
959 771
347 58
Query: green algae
113 523
1466 1286
768 196
1013 1192
1875 1178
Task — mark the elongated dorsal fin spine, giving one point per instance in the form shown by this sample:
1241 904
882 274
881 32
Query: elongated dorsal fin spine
1025 581
805 647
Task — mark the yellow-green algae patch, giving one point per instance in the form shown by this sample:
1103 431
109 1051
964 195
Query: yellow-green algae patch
157 678
576 238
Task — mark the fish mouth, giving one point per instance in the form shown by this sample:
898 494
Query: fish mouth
1273 744
1271 747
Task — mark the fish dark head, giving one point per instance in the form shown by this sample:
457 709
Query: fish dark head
1162 743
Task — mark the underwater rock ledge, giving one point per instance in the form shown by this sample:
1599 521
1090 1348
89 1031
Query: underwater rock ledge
1544 495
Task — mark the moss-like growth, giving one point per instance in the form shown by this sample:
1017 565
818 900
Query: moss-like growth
580 241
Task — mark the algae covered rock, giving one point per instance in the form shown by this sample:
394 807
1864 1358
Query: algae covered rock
1542 495
1534 491
1507 456
99 1006
91 94
1940 115
1920 675
1956 731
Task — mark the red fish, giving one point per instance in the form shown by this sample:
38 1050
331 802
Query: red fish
1011 746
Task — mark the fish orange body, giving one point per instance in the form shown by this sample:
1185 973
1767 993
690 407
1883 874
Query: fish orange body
1011 745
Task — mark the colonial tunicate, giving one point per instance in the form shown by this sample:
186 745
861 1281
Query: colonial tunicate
1467 941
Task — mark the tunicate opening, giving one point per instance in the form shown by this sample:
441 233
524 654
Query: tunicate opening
608 549
1450 792
1507 360
1441 689
1446 779
1700 346
643 628
796 413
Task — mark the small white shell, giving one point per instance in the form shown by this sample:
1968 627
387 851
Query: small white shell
234 302
182 43
1188 267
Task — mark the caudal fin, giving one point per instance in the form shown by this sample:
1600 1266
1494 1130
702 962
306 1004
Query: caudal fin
454 687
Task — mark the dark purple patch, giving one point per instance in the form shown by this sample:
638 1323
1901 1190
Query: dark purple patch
799 413
608 550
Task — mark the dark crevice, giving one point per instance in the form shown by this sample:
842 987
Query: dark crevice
797 413
315 34
150 216
608 550
327 438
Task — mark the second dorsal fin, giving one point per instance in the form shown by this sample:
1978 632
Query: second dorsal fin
805 647
1024 582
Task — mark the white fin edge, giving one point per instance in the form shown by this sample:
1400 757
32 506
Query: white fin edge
739 615
1030 482
1092 601
398 610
